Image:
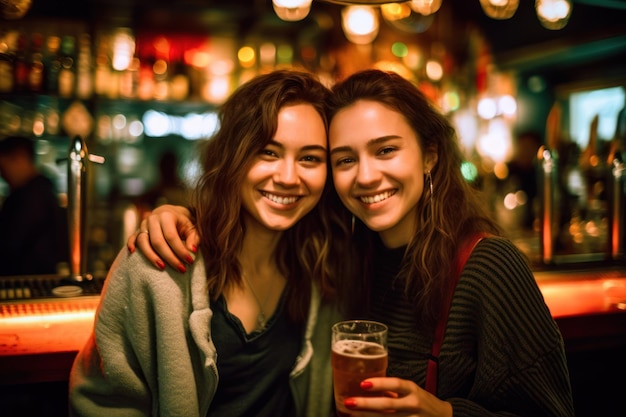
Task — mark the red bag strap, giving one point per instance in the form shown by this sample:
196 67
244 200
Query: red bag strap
433 362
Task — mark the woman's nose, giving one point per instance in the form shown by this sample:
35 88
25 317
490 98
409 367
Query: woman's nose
366 172
287 173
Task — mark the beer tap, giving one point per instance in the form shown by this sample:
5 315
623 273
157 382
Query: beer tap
617 209
77 170
547 156
548 175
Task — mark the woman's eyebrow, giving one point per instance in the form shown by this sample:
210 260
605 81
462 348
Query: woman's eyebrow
370 142
304 148
340 149
314 148
382 139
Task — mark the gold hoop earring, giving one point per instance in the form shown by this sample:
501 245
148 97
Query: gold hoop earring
429 182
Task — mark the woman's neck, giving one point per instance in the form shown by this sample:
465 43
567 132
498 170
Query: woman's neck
259 246
262 283
393 240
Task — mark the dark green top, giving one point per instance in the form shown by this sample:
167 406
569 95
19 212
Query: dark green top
502 353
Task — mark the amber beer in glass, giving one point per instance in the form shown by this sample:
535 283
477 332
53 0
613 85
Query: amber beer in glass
359 351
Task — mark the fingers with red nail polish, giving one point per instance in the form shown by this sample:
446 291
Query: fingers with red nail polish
366 385
349 402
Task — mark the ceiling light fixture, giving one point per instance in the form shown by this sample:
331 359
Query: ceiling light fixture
553 14
360 24
292 10
499 9
425 7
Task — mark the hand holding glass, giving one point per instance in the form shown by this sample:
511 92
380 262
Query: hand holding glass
359 351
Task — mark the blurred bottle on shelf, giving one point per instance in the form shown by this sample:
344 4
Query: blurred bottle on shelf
52 119
161 79
67 73
103 68
8 45
84 68
36 67
129 80
52 64
179 83
146 82
21 65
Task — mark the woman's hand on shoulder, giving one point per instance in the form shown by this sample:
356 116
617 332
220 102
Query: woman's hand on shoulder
166 235
402 398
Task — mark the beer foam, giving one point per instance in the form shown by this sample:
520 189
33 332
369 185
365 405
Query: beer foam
359 348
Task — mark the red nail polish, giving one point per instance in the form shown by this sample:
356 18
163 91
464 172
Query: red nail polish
349 402
182 268
189 259
194 249
160 265
366 385
131 250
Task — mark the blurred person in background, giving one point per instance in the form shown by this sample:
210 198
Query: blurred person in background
523 173
33 226
169 189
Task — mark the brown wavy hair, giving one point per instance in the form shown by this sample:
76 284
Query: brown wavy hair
248 121
445 219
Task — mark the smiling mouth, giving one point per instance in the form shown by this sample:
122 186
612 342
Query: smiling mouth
370 199
280 199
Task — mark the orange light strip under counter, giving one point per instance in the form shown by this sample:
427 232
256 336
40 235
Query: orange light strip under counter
584 297
46 326
579 293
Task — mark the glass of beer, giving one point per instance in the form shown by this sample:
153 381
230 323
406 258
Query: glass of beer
359 351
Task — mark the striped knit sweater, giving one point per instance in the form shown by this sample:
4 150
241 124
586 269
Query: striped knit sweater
502 353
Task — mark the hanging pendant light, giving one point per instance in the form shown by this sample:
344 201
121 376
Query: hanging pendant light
363 2
360 24
499 9
553 14
292 10
425 7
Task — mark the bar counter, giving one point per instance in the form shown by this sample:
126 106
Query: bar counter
588 305
39 338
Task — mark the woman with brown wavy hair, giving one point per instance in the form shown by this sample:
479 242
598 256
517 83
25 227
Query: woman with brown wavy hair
396 167
245 329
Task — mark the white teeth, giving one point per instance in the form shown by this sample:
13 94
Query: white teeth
280 200
377 198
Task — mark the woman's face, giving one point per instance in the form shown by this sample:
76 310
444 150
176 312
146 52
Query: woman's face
287 177
378 168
